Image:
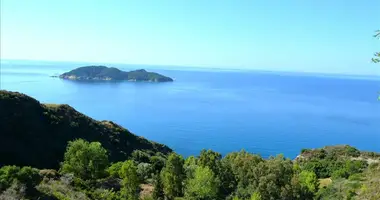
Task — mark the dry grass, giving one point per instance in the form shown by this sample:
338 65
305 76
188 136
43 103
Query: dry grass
51 105
324 182
146 190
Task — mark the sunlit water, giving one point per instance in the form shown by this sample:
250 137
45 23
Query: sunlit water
265 113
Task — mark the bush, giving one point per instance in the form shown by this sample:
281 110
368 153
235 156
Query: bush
144 171
158 162
29 176
103 194
114 169
7 175
309 180
340 173
305 151
85 160
61 191
14 192
140 156
26 176
352 151
355 166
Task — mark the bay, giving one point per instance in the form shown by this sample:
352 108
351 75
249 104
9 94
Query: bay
225 110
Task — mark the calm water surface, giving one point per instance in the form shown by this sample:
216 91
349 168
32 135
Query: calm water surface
265 113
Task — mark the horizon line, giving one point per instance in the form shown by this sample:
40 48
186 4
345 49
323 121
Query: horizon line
195 67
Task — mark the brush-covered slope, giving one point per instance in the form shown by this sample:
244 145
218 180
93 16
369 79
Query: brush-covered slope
34 134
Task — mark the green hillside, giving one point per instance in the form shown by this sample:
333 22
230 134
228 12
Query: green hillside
34 134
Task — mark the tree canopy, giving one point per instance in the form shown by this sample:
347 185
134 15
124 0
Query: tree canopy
203 185
85 160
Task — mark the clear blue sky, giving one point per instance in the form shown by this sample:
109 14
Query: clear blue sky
304 35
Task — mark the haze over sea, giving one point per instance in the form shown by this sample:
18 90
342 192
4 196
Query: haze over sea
262 112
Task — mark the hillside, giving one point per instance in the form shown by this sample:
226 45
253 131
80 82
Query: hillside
103 73
34 134
344 172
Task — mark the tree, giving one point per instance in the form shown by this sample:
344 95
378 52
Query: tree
222 171
273 178
203 186
114 169
228 182
309 180
172 176
158 162
158 193
130 183
210 159
144 171
256 196
85 160
190 166
241 165
376 59
299 190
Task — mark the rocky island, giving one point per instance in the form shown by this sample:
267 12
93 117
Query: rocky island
103 73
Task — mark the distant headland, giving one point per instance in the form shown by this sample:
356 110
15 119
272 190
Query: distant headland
103 73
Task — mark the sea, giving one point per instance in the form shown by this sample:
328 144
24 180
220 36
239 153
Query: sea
263 112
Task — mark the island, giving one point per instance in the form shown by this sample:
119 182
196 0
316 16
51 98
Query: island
103 73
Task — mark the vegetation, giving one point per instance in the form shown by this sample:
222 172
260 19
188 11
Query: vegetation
130 183
205 177
203 185
376 58
77 159
36 135
172 176
105 73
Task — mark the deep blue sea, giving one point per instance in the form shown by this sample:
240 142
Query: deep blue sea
262 112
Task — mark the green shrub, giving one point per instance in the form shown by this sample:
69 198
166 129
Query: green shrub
352 151
140 156
30 177
114 169
7 176
309 180
85 160
340 173
103 194
305 150
144 171
27 176
355 166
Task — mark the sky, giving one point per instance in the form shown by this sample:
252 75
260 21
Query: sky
294 35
